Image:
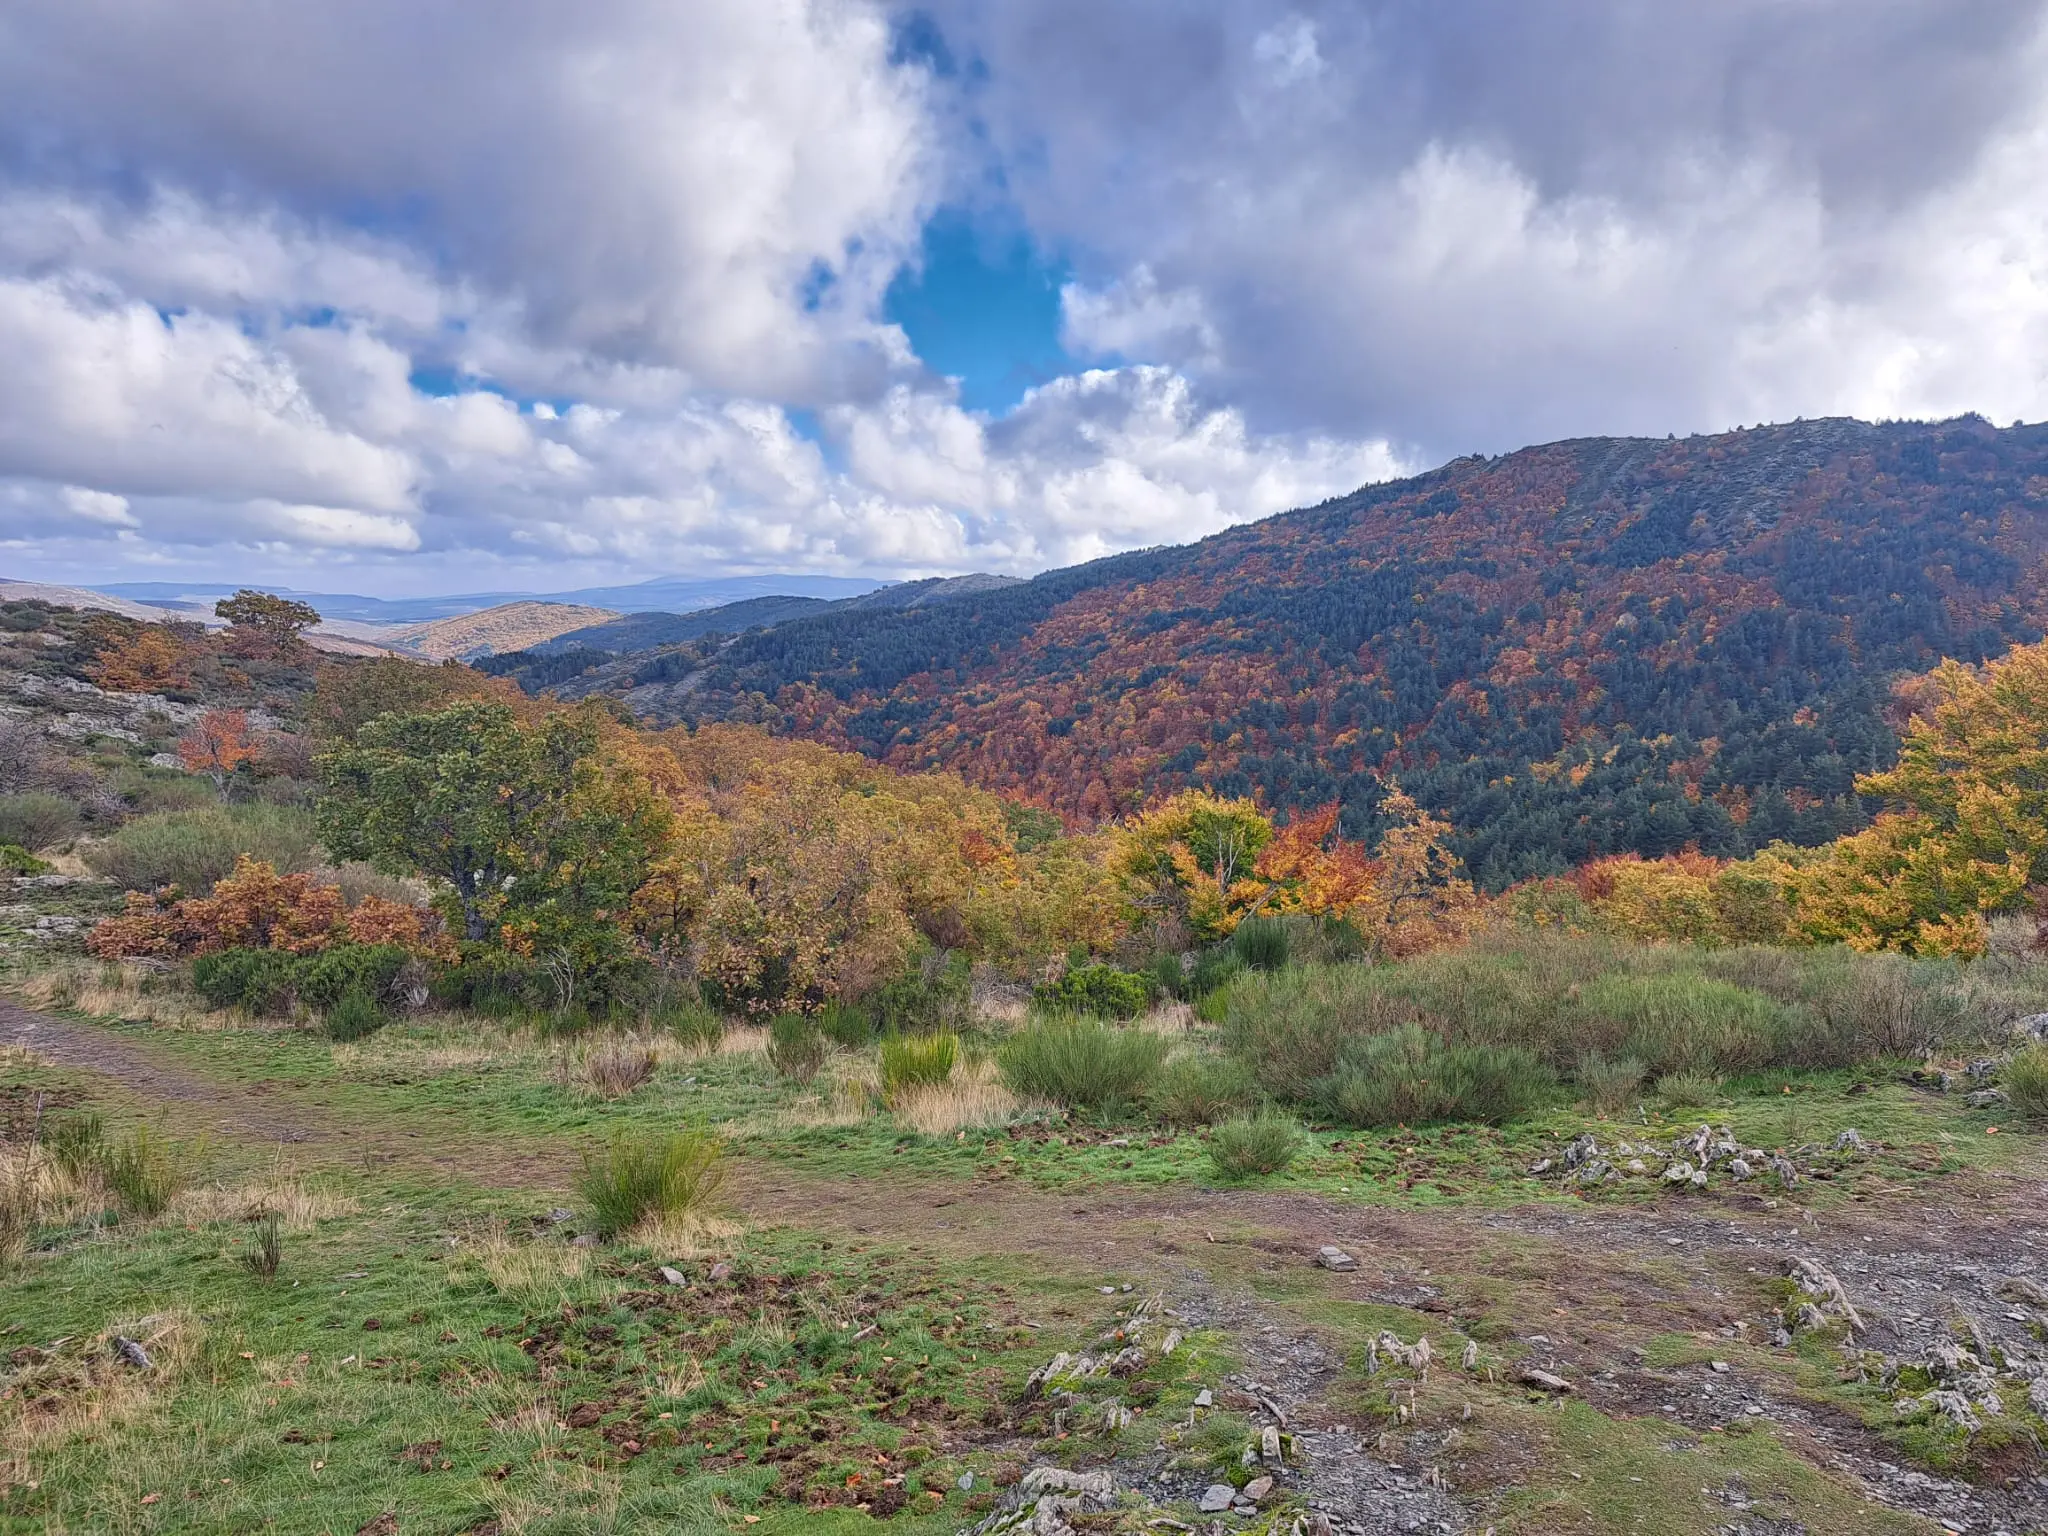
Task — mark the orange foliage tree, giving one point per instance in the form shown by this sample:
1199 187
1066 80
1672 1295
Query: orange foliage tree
149 661
218 743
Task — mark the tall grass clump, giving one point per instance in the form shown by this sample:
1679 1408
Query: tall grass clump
355 1017
1289 1026
614 1071
193 849
2026 1083
638 1177
846 1025
1262 943
1200 1090
917 1061
1609 1086
1409 1076
143 1170
692 1024
1686 1023
266 1257
1254 1146
1688 1090
795 1047
37 820
1081 1063
74 1141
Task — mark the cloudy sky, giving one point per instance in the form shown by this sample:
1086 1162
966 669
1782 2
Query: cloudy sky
400 298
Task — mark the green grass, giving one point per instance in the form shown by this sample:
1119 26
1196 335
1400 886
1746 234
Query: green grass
406 1337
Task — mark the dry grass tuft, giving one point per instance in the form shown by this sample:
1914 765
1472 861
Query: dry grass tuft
614 1071
281 1193
974 1098
36 1189
83 1389
744 1040
115 989
1171 1019
525 1270
684 1238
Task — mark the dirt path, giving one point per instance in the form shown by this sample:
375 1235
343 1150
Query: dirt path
1587 1287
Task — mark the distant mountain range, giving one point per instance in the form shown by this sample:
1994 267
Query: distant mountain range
1588 647
664 594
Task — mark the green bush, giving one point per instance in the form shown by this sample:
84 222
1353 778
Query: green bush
1214 968
692 1024
75 1141
637 1177
934 992
845 1024
1610 1087
2026 1083
1262 943
1254 1146
917 1061
262 981
1081 1063
142 1169
1169 978
37 820
1289 1026
1686 1023
1200 1090
795 1048
488 981
1408 1076
1100 990
1688 1090
354 1016
17 860
193 849
324 979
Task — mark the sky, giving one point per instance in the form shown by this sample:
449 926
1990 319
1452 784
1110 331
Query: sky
513 295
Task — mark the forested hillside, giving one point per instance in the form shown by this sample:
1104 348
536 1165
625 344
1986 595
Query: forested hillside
1589 647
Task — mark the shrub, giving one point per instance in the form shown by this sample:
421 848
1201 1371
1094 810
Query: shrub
1200 1090
1261 943
695 1025
354 1016
324 979
262 981
934 993
1688 1090
1254 1145
1081 1063
638 1177
193 849
1408 1076
75 1141
845 1025
2026 1083
267 1256
1685 1022
917 1061
795 1048
1214 968
1610 1087
1100 990
1289 1026
17 860
617 1070
142 1170
36 820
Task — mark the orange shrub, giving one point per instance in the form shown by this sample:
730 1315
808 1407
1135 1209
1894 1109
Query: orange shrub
257 908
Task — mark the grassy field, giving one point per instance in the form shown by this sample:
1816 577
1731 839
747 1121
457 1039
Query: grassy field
855 1330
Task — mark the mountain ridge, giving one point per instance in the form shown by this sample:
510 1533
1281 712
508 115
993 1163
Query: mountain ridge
1584 647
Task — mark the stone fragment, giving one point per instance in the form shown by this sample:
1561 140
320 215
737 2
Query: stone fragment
1582 1150
583 1240
131 1353
1470 1359
1678 1173
1851 1140
2025 1291
1269 1446
674 1276
1544 1379
1984 1098
1171 1342
1542 1165
1258 1488
1335 1258
1205 1398
1739 1169
720 1271
1215 1499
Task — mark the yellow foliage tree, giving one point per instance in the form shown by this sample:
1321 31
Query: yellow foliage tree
1194 858
1971 833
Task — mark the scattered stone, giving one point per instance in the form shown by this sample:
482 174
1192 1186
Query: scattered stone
131 1353
1258 1488
583 1240
559 1215
1851 1140
1720 1367
2033 1027
1542 1165
1985 1098
1595 1170
1739 1169
1582 1150
1678 1173
1171 1342
1983 1069
1335 1258
1115 1418
1947 1404
1269 1446
720 1271
965 1483
1107 1290
1545 1380
2025 1291
1831 1300
1205 1398
674 1276
1215 1499
1470 1359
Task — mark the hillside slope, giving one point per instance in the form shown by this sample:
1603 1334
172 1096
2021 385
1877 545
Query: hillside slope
508 627
1580 648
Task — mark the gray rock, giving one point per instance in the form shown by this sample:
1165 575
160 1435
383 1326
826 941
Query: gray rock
1595 1170
1215 1499
674 1276
1851 1140
1542 1165
1984 1098
1269 1446
1205 1398
1739 1169
583 1240
131 1353
965 1483
1678 1173
1530 1375
720 1271
2033 1027
1583 1149
1258 1488
1335 1258
1983 1069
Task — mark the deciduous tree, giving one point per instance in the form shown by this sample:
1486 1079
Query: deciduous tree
264 626
218 743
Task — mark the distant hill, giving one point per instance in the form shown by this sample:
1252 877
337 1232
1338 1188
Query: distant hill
665 594
646 631
1581 648
508 627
